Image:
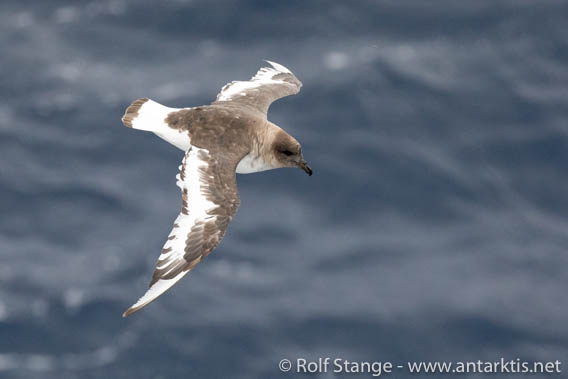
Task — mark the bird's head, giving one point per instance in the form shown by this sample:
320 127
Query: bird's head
288 152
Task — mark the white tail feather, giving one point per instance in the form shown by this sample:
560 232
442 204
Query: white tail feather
148 115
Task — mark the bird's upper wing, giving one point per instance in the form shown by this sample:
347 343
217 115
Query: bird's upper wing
268 85
209 201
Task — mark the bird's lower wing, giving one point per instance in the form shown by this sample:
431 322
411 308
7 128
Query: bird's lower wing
209 201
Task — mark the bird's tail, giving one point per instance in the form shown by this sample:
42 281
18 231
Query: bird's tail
146 114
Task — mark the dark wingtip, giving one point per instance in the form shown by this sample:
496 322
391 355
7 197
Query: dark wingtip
127 313
130 311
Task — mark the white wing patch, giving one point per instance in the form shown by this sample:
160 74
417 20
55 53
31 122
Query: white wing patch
238 89
267 73
279 67
172 265
153 292
265 76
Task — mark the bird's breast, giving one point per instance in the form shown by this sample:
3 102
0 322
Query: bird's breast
252 163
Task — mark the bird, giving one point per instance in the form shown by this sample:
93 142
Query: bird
229 136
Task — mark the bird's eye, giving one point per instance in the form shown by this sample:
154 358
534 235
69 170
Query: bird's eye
287 152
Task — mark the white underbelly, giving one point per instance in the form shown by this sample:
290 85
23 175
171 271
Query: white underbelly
250 164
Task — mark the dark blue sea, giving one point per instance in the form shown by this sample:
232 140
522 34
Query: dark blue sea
434 228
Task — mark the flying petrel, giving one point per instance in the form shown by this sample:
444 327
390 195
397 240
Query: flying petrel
231 135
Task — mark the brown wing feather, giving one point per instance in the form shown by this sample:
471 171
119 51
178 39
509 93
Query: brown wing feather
268 85
202 222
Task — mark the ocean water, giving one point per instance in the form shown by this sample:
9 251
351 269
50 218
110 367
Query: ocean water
434 228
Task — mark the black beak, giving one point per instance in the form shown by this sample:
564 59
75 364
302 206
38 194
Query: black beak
304 166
